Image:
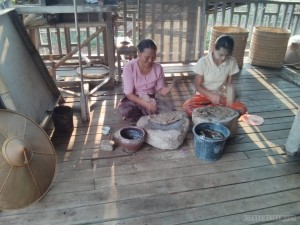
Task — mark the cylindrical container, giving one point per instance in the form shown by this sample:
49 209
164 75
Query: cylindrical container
217 114
292 55
63 118
131 138
207 147
105 130
292 145
268 46
239 36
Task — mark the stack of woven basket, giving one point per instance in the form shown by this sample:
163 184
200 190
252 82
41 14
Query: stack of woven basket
268 46
239 35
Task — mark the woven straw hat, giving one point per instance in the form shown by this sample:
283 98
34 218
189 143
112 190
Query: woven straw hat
27 161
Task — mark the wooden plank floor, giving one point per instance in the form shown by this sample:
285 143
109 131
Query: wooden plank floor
253 177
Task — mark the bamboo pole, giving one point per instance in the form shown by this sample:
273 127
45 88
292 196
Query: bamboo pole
83 97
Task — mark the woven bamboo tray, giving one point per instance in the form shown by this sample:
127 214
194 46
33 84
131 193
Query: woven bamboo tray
268 46
239 35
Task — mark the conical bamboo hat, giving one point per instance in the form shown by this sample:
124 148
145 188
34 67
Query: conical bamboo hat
27 161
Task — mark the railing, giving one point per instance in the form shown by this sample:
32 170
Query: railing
127 23
281 14
54 34
180 28
57 42
183 30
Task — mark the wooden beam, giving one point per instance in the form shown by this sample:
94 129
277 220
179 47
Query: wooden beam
63 9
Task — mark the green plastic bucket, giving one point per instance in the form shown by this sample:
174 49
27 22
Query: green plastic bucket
210 147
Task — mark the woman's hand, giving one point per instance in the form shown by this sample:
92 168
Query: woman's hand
215 97
151 107
165 90
145 101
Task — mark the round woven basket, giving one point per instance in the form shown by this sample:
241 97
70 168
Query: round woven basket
239 35
268 46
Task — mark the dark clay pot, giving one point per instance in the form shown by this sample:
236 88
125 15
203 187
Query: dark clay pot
131 138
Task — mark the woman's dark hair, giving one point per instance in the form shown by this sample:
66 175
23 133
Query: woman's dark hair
146 43
225 41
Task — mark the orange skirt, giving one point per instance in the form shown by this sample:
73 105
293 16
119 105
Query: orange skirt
201 101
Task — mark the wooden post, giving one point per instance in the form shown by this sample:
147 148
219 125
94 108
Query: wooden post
110 44
293 141
33 33
191 30
52 70
202 28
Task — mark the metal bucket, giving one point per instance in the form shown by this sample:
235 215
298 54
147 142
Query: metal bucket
207 147
63 118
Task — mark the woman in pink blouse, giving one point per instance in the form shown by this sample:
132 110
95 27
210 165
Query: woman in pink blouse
143 78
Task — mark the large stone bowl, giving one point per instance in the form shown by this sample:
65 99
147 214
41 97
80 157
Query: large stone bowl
130 138
217 114
165 130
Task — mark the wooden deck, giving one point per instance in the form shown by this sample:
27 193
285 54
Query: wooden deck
162 187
